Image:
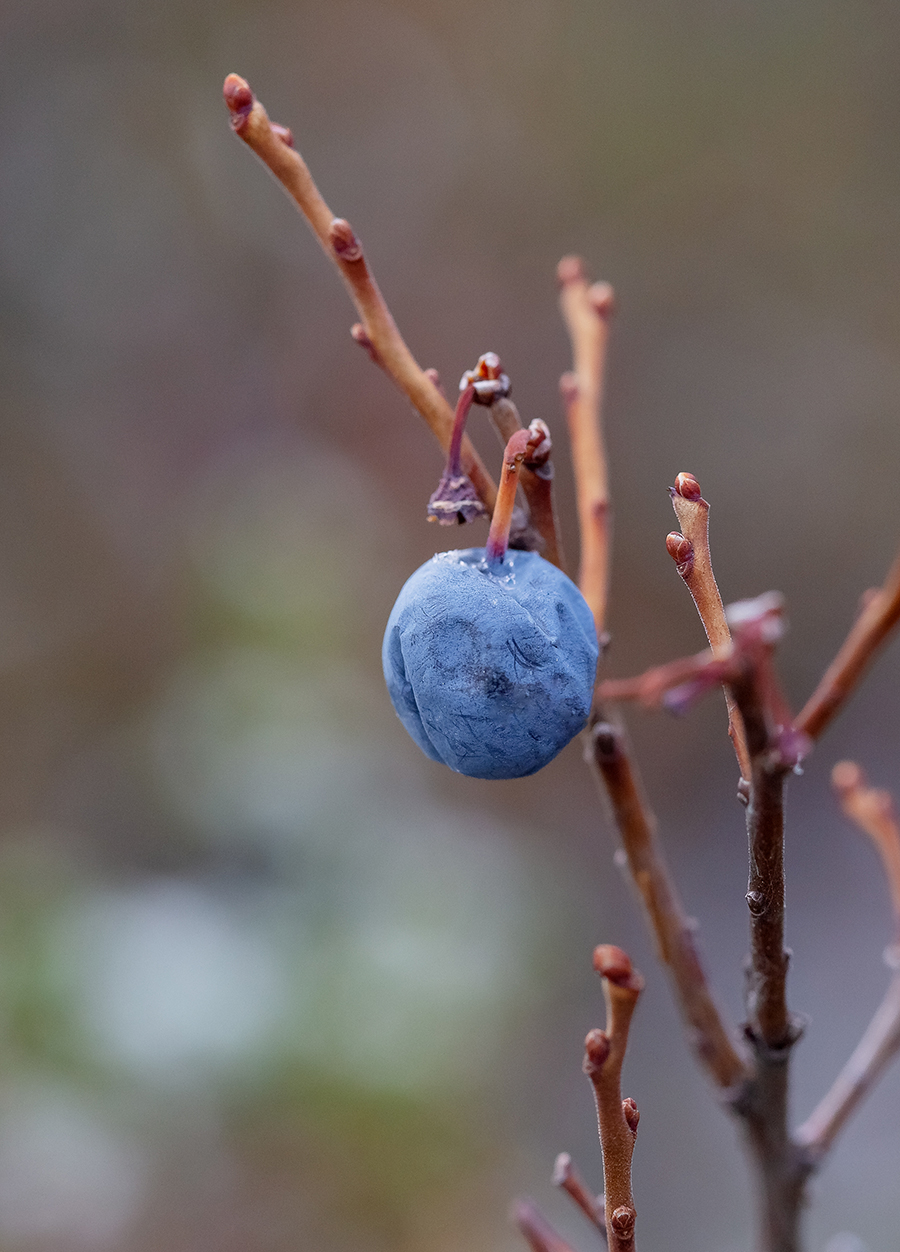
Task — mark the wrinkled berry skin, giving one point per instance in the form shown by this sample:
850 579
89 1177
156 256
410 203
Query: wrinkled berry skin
491 673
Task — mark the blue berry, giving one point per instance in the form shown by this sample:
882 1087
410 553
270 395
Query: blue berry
490 665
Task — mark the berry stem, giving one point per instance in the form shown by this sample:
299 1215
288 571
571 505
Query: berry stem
498 539
463 404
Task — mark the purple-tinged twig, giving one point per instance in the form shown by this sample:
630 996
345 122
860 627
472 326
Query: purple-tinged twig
880 614
873 811
587 311
378 334
568 1179
617 1119
690 551
537 1230
455 499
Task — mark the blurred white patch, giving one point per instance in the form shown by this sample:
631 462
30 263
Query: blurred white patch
65 1174
424 958
845 1242
173 981
293 538
253 747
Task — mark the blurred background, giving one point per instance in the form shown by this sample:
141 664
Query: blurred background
270 979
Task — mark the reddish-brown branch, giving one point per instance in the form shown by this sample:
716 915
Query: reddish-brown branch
691 553
537 1230
775 749
587 311
878 618
567 1177
675 932
617 1119
380 336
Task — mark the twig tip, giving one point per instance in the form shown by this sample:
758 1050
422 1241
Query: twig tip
562 1169
846 776
615 965
239 99
570 270
687 487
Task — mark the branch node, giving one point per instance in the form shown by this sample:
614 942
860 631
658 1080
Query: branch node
622 1221
681 551
359 335
343 241
631 1113
596 1052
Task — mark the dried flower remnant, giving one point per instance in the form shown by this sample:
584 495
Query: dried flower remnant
488 379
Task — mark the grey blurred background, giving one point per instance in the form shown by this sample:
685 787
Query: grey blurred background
269 979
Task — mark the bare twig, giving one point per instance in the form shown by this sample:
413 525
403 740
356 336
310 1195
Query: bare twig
690 551
880 614
378 334
674 685
537 1230
675 932
567 1177
587 311
872 809
604 1053
879 1044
